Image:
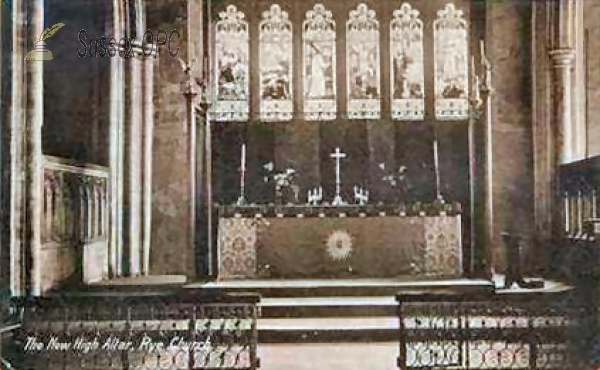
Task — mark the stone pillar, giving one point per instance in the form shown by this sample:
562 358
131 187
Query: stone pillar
562 130
562 57
17 165
135 144
34 122
562 60
579 84
149 63
135 164
116 129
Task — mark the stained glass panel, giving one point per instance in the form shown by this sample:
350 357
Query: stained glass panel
275 65
232 79
406 52
362 61
319 72
451 64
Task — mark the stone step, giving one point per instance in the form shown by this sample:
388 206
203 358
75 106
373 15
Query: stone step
329 356
328 329
288 307
343 287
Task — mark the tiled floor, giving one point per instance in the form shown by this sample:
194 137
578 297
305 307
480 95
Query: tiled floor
329 356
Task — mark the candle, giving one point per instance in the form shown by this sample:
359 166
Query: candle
436 165
482 47
243 166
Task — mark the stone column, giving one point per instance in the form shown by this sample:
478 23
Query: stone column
149 63
17 165
562 128
135 187
116 129
34 122
135 163
562 61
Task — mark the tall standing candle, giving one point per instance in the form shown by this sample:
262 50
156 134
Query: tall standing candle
436 164
243 165
242 199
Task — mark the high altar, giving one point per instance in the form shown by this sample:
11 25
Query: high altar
353 241
334 159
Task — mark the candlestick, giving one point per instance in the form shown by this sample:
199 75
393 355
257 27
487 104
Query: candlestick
242 199
436 165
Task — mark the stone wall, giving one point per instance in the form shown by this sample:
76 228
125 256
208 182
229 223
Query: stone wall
171 250
509 50
76 110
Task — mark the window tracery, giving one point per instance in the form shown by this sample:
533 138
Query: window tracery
232 43
451 64
406 64
319 58
276 63
363 63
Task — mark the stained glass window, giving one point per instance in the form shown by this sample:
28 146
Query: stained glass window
319 72
407 72
232 78
362 63
275 65
451 64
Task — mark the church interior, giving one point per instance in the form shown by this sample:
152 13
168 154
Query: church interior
270 184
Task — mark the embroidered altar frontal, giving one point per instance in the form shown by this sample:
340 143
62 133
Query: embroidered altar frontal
338 244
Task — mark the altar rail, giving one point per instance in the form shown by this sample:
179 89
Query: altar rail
179 330
489 331
579 186
74 220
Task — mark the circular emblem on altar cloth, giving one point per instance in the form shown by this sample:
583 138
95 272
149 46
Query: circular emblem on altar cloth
339 245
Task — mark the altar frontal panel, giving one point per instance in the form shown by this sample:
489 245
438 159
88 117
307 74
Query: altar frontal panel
340 247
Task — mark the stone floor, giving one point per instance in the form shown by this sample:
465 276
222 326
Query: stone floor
329 356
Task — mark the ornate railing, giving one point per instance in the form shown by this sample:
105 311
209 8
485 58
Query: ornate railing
9 324
487 331
182 330
579 186
74 220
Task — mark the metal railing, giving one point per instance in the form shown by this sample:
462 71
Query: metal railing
181 330
450 330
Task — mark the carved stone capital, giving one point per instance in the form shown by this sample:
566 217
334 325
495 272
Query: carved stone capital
562 58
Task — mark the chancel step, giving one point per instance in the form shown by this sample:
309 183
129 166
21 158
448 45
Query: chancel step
343 287
328 329
328 306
